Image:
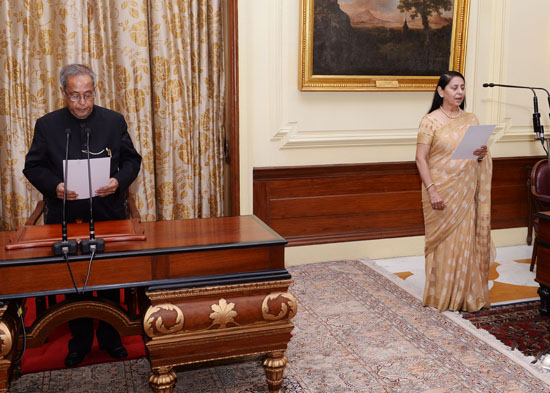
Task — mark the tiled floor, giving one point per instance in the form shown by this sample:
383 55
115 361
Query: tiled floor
509 279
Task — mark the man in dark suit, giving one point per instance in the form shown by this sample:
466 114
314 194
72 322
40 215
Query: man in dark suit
44 169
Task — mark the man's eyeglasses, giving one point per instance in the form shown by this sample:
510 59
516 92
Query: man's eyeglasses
77 97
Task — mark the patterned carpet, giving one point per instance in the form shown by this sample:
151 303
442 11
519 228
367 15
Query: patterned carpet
356 331
519 326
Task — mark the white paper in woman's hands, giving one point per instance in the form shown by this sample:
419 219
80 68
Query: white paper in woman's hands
474 138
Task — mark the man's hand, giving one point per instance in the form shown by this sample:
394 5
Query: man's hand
108 189
71 195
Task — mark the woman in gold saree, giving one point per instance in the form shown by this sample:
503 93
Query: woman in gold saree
456 199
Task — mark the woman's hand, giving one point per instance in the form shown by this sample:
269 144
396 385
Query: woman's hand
422 153
481 152
435 199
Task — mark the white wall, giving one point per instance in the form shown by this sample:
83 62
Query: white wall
508 42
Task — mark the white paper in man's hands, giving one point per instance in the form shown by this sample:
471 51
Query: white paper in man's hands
77 178
473 139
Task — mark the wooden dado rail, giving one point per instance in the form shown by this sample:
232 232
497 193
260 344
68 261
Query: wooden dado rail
348 202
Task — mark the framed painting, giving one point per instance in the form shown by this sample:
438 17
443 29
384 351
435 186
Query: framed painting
380 45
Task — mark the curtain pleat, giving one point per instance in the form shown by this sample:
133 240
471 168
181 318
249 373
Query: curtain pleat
188 113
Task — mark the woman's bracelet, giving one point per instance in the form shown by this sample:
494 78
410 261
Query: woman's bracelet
431 184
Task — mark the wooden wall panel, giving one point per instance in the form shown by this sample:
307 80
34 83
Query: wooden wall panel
336 203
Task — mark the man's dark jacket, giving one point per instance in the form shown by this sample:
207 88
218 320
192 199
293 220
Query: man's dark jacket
108 136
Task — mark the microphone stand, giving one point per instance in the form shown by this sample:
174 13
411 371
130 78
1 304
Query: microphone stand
546 139
537 127
547 95
64 246
544 358
92 244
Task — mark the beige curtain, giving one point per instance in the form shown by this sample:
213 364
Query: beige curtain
188 85
159 63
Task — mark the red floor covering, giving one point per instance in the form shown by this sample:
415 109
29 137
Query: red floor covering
51 356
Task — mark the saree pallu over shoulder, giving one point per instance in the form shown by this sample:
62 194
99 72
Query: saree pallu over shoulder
459 248
485 248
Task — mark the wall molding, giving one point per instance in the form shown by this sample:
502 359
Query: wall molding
518 134
294 138
290 137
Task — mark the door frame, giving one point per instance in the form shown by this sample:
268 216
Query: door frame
233 112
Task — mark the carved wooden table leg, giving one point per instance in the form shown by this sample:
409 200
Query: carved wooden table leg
8 339
274 368
6 346
162 380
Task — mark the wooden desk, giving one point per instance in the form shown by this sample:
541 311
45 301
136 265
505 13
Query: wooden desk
543 261
212 289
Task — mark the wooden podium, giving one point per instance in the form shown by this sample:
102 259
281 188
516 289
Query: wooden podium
208 289
543 261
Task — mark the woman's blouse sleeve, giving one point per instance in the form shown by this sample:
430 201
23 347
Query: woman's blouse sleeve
426 131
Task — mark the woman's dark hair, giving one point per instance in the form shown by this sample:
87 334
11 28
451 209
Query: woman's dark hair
444 81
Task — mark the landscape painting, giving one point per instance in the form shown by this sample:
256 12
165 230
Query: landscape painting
380 44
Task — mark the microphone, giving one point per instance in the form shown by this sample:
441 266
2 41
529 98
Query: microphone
65 246
537 127
514 86
92 244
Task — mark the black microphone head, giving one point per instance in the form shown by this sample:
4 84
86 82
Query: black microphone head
68 131
87 130
488 85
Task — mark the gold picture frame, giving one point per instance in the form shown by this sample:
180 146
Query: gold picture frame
308 81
